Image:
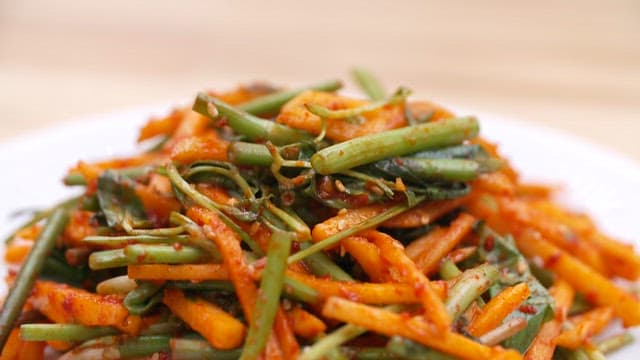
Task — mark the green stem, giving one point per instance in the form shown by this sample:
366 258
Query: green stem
321 265
143 346
384 185
409 350
370 148
174 231
299 291
196 236
449 270
187 349
252 127
251 154
271 286
338 337
471 284
41 215
164 328
227 170
144 298
209 204
63 332
107 259
134 172
29 272
59 270
145 254
119 241
326 113
441 169
298 226
163 254
209 285
451 152
368 353
369 84
119 285
614 343
369 223
271 104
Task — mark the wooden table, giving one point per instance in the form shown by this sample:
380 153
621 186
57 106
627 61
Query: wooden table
573 65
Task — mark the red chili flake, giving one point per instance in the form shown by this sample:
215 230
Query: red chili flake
528 309
405 315
260 263
288 197
67 305
325 186
141 257
418 289
111 299
295 247
350 295
358 200
591 297
177 246
446 289
222 122
489 243
291 152
552 260
92 187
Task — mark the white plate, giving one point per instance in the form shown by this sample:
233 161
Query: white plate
597 180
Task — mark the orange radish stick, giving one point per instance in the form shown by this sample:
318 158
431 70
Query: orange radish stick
368 293
414 328
428 250
498 308
585 326
598 289
192 272
393 252
544 344
221 330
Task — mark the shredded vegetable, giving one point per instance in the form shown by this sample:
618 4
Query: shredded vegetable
284 224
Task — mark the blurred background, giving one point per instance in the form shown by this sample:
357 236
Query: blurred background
573 65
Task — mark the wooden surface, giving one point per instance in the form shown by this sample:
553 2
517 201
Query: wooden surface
573 65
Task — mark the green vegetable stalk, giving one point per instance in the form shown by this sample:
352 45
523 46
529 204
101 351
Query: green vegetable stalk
29 272
370 148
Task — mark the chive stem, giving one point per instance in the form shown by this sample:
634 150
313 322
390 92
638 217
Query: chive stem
29 272
370 148
63 332
252 127
369 223
470 285
271 103
271 284
209 204
369 84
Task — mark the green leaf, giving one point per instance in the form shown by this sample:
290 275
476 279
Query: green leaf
502 251
118 200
